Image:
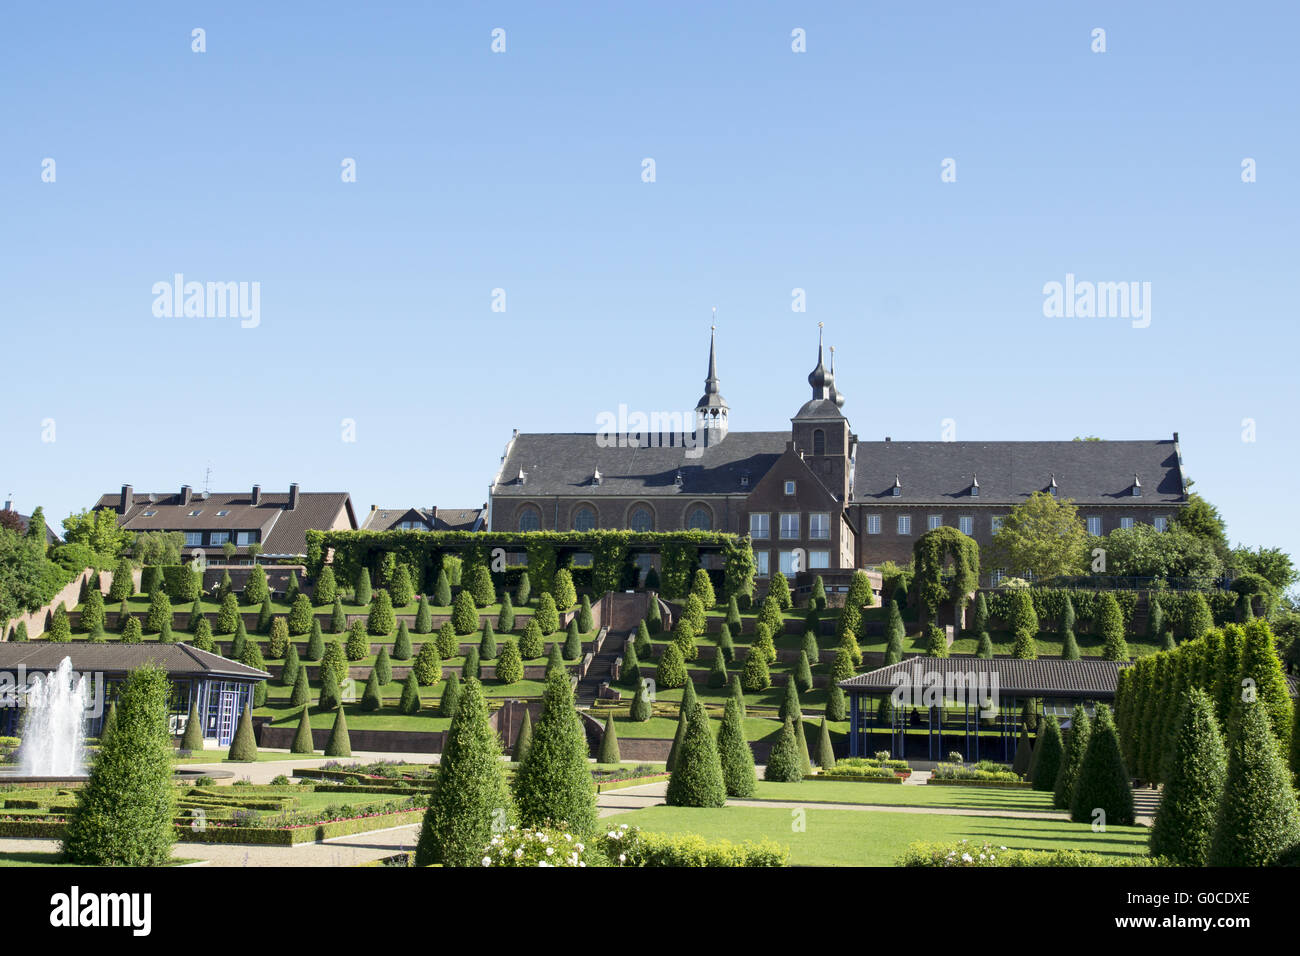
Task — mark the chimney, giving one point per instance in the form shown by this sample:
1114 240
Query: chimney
186 494
293 496
128 499
9 502
887 438
256 497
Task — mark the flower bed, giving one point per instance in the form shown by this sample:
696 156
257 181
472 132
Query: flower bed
629 846
1005 784
986 771
298 833
967 854
543 847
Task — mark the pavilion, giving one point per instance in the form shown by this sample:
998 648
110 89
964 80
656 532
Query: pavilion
927 707
222 687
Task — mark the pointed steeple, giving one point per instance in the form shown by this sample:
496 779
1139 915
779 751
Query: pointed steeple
711 410
822 381
836 396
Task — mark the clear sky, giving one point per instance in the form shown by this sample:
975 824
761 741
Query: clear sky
523 171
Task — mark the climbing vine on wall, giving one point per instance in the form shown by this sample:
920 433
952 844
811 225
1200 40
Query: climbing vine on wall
934 584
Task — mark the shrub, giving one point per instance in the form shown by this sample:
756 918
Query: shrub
754 675
238 641
702 587
779 589
329 696
255 588
1047 756
402 646
292 665
301 689
192 738
358 646
563 592
428 665
442 590
586 623
1070 646
506 619
825 750
448 642
1104 783
717 671
450 699
510 668
292 590
609 743
770 616
227 615
123 583
315 644
302 739
985 647
244 747
301 615
696 779
763 645
132 633
401 588
334 660
790 702
842 667
338 620
487 645
361 588
326 587
1257 817
524 739
640 709
654 621
264 615
684 638
278 645
694 613
817 599
202 637
726 649
734 754
381 620
1110 625
671 671
339 745
471 666
546 616
123 814
785 763
151 579
628 846
480 586
524 591
554 782
423 617
643 646
464 615
1026 648
383 667
1193 790
61 630
410 702
1075 746
573 642
92 611
370 699
835 706
159 613
531 645
1020 614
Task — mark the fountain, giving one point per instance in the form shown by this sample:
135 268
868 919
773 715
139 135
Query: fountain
54 728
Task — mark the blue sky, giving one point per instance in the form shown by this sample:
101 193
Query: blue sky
522 170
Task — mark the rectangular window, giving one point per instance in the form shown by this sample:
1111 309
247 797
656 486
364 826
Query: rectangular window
1162 523
934 521
193 539
760 526
819 526
996 523
819 560
789 487
873 524
1094 525
762 563
1125 524
195 514
789 525
904 524
243 538
966 525
787 563
219 537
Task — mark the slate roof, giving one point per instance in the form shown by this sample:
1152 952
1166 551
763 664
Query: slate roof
176 659
435 519
564 464
1045 677
284 531
1087 472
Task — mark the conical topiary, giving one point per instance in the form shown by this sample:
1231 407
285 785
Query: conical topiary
302 739
292 664
573 642
790 708
609 743
696 779
640 709
244 747
718 671
825 756
1048 754
402 645
410 702
370 699
192 739
301 689
383 667
734 753
736 691
524 740
785 763
553 782
339 744
1193 789
1104 785
316 643
835 707
677 740
450 699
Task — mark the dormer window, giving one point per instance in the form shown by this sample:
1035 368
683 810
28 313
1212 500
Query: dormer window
223 513
897 490
596 477
975 486
195 514
744 481
148 514
523 476
678 480
1051 487
1137 487
789 487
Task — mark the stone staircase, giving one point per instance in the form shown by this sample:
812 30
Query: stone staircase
620 613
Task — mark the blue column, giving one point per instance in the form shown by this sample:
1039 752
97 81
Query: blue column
855 727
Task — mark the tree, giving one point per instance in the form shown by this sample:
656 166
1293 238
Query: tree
338 620
1026 648
586 623
654 621
1021 615
278 644
984 648
609 744
1193 788
381 620
449 643
192 739
370 698
644 648
1261 671
1042 537
292 665
671 671
326 587
510 668
227 616
401 588
1103 783
754 676
547 617
702 588
202 637
1257 817
487 645
573 643
842 667
825 750
301 614
696 780
123 814
410 702
718 671
785 763
640 709
524 739
981 614
763 645
361 588
334 660
1048 755
264 615
1075 746
531 645
480 587
450 699
302 739
464 615
61 630
523 591
1110 625
244 747
553 784
779 588
790 702
630 672
358 645
506 618
734 754
159 613
92 611
428 665
339 745
563 592
301 689
293 589
256 589
132 633
123 585
316 643
402 646
471 666
98 531
835 707
1069 646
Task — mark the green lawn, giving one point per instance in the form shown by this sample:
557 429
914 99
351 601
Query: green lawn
877 838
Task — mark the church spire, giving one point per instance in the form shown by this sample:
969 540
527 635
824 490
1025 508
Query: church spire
711 410
836 396
822 381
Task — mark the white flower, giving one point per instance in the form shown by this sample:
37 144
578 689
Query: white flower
622 858
965 857
550 850
519 853
580 847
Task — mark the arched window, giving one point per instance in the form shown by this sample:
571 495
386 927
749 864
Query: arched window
700 520
641 519
584 519
530 519
819 442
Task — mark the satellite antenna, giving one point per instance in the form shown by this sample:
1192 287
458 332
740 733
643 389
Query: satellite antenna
207 480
